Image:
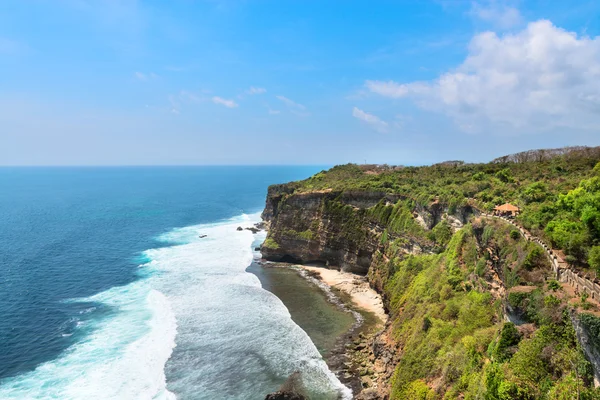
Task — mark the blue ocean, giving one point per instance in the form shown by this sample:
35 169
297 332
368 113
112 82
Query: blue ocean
108 290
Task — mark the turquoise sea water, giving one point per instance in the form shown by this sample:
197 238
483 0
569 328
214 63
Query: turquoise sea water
108 292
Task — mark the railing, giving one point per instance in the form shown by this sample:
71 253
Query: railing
559 266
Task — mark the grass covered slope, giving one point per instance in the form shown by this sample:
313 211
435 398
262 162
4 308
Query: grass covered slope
450 328
557 191
475 310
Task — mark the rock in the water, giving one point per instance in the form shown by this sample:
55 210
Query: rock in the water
253 229
284 396
292 389
239 228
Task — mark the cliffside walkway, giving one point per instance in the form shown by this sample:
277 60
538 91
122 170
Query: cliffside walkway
560 267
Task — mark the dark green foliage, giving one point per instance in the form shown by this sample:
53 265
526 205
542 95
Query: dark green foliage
350 221
504 175
559 196
488 232
535 193
480 267
576 225
535 259
441 234
554 285
509 337
447 326
592 324
594 257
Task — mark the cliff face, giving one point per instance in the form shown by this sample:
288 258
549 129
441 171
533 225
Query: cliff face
338 228
473 308
303 228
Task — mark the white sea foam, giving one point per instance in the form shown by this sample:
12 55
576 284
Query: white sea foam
122 358
235 340
227 338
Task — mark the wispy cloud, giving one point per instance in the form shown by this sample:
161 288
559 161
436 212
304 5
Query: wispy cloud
290 103
498 14
373 120
142 76
184 97
225 102
272 111
256 90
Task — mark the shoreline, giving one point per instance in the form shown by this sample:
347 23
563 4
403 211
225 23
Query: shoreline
354 285
351 293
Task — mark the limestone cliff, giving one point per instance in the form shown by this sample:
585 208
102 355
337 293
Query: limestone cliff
475 309
338 228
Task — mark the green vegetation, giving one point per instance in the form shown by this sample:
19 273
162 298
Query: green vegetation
559 196
451 331
447 314
305 235
271 244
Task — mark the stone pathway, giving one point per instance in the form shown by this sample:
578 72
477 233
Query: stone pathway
561 268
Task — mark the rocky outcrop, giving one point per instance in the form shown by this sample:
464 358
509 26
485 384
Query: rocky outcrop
322 227
431 215
591 350
332 228
292 389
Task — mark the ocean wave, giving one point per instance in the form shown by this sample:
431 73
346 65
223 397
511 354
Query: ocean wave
195 325
122 357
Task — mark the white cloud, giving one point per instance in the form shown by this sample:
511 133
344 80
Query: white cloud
499 15
370 119
542 77
271 111
225 102
256 90
145 76
290 103
183 99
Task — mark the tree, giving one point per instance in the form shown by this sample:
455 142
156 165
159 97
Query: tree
504 175
536 192
509 337
594 257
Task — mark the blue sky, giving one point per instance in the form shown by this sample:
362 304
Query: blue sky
128 82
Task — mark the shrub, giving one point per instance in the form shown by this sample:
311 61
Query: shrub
553 285
515 234
504 175
536 192
269 243
594 257
534 259
479 176
480 267
509 337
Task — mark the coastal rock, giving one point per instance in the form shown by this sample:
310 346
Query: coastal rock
239 228
304 229
284 396
330 227
292 389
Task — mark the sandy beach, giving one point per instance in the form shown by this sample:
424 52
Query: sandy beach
355 286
